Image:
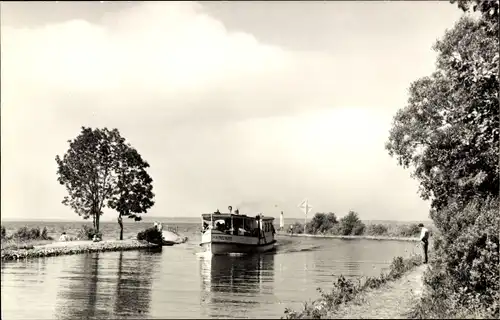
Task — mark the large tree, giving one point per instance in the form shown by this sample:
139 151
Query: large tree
449 135
134 189
448 132
101 170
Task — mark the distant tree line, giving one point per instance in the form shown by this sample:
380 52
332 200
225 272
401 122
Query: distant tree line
351 224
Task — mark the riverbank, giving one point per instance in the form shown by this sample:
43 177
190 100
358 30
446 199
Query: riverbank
393 300
348 237
390 295
74 247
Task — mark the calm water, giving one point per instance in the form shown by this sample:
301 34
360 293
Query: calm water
178 282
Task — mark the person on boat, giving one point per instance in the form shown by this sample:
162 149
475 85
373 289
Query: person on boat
219 226
424 238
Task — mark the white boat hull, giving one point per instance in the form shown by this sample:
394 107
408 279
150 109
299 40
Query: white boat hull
226 248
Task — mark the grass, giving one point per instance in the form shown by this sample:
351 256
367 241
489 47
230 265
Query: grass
14 244
345 290
24 238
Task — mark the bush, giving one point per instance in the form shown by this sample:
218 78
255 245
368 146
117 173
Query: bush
377 230
87 233
412 230
26 233
151 235
358 229
297 228
464 280
345 290
351 224
321 223
4 233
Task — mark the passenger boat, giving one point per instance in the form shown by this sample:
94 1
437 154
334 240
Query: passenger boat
225 233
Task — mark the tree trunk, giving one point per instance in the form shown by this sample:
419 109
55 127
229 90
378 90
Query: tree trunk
120 222
97 216
93 221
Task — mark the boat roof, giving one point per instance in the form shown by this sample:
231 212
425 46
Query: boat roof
229 215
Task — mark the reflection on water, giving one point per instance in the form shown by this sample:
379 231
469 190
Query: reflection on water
178 283
232 284
133 292
106 285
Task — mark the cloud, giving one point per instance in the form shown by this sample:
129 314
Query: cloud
221 117
149 56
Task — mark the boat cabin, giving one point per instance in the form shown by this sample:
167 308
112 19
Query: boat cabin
236 224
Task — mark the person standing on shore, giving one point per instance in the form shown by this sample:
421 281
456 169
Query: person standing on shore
64 237
282 221
424 237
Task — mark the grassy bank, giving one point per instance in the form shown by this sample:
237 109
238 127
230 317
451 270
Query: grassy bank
345 290
74 247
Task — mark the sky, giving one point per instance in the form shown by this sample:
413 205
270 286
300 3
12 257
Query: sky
257 105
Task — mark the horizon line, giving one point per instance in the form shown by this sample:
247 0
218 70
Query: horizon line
165 217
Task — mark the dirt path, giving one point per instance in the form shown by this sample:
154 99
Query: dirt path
390 301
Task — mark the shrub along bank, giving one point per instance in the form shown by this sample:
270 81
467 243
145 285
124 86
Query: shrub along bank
345 290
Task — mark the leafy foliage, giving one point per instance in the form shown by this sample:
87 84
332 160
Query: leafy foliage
449 130
134 188
297 228
88 233
26 233
101 170
377 230
411 230
4 233
449 134
464 278
321 223
345 290
327 224
350 224
151 235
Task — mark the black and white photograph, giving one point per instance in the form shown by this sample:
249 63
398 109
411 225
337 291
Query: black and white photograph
250 159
